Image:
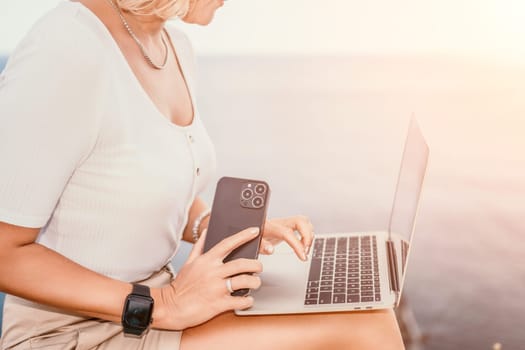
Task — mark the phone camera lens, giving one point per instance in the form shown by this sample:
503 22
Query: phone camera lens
260 189
258 202
247 193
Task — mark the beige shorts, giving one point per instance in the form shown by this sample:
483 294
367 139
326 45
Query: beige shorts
29 325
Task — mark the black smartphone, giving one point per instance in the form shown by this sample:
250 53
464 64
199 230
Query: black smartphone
238 204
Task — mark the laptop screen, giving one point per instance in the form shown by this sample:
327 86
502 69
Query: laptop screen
408 189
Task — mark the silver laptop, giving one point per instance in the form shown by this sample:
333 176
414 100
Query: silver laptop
349 271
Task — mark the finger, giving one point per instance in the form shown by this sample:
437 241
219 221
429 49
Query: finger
238 303
198 247
245 281
266 247
305 228
238 266
225 247
293 241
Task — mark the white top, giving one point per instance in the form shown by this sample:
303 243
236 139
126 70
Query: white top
86 155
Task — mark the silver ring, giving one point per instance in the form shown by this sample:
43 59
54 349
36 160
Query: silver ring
229 285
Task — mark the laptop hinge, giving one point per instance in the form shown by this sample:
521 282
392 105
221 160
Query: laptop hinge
392 266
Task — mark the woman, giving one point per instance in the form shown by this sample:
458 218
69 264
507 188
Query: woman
103 157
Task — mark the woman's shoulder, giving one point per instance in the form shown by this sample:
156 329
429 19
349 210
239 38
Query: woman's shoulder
61 53
65 33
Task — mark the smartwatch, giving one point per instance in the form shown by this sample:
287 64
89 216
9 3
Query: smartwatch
138 308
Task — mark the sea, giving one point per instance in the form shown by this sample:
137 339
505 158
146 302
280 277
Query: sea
327 134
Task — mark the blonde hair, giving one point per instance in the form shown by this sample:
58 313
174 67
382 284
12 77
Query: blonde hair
164 9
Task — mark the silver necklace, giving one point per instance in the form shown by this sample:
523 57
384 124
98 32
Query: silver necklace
142 48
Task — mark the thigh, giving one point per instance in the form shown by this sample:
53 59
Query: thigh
152 340
342 330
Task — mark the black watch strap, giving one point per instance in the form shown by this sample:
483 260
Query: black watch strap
140 289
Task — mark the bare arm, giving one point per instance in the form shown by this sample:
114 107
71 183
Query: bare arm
276 230
197 207
34 272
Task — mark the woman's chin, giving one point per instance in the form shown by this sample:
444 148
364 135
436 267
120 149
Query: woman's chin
199 21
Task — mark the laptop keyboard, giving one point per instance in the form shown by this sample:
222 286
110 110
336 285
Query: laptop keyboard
343 270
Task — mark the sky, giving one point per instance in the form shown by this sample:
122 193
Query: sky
491 28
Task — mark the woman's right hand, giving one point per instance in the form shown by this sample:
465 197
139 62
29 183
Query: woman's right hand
199 292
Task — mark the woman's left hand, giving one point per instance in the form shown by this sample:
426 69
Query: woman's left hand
297 231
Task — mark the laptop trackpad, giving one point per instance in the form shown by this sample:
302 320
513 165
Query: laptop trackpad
283 284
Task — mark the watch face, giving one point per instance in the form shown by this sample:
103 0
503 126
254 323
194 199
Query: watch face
138 313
